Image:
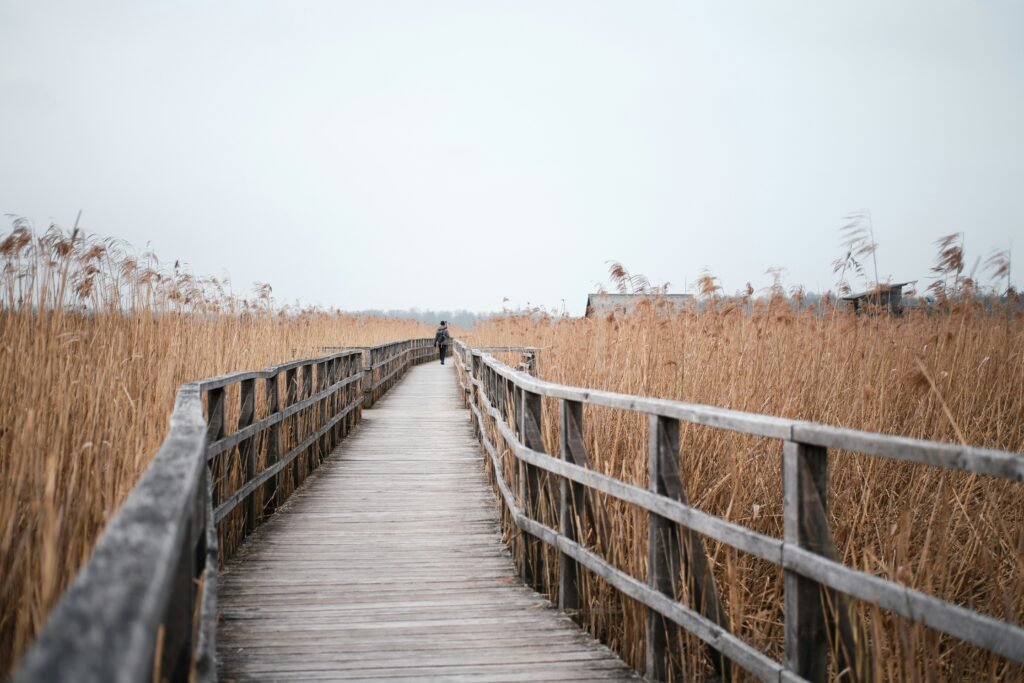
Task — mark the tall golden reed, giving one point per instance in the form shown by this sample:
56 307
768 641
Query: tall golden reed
94 342
956 375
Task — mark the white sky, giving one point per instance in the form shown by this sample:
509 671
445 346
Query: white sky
449 154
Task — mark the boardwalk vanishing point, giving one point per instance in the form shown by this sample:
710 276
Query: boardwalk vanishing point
389 565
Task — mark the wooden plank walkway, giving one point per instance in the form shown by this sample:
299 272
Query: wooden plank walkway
388 565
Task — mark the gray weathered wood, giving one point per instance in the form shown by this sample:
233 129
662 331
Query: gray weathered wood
821 565
309 417
804 480
966 458
247 449
999 636
273 396
227 442
662 657
291 396
533 569
389 564
571 504
105 626
214 432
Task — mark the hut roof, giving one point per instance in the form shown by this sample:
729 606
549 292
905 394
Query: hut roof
884 288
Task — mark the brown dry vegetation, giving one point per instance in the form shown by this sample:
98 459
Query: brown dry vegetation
955 376
94 342
96 339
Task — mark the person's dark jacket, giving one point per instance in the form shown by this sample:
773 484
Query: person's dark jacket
441 337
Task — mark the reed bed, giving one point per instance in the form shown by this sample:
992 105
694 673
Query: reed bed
94 341
953 375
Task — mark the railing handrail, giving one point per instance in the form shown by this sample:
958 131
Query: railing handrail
802 553
103 627
154 567
995 463
233 377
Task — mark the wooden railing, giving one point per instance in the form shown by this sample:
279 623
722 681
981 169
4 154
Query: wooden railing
506 406
386 364
144 606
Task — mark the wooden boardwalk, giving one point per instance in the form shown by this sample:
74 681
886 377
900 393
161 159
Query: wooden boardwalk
388 565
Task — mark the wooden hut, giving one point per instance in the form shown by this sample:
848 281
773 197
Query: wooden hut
887 297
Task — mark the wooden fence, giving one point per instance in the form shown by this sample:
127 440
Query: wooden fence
506 406
144 606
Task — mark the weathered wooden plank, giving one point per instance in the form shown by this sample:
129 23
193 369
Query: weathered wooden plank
392 553
967 458
234 377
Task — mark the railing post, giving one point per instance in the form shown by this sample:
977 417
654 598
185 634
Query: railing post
307 391
291 395
215 432
533 571
338 399
475 374
367 378
467 391
571 503
805 496
663 550
273 396
323 381
247 449
354 368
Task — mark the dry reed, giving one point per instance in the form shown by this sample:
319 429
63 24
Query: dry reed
96 340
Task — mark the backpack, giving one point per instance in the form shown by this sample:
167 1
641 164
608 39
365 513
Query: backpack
442 336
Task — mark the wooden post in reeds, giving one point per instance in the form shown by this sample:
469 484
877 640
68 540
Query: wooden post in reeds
664 553
247 449
475 391
367 378
571 504
530 488
273 395
814 612
804 476
307 391
323 381
291 395
215 432
354 367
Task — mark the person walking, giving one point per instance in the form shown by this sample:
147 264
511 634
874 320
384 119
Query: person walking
441 339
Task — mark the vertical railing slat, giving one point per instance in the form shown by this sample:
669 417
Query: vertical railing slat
662 657
571 503
307 391
291 395
273 396
247 449
805 488
533 571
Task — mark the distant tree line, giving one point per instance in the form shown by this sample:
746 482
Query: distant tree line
459 318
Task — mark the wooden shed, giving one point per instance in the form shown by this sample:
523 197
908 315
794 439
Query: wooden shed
624 304
883 297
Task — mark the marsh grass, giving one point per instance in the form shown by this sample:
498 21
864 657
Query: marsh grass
94 341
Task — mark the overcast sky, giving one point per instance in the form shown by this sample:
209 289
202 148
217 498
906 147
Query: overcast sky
451 154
